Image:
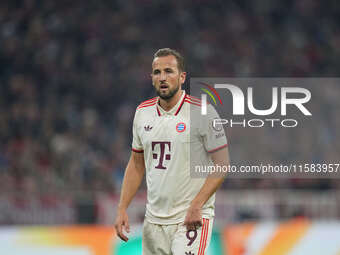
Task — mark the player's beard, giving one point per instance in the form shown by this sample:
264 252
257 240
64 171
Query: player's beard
169 94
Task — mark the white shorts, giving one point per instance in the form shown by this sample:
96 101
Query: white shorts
175 239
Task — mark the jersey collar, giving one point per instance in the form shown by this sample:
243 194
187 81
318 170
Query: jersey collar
174 110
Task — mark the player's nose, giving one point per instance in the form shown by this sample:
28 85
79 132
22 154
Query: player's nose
162 76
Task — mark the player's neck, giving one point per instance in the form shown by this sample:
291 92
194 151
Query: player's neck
167 105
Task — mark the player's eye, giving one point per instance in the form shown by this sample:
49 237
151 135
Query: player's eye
169 70
156 72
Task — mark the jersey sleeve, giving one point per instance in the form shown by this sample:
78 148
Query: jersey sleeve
212 133
137 145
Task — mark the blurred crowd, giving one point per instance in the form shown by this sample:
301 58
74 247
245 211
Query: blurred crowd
73 72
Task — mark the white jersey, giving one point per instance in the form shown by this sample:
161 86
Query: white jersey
165 138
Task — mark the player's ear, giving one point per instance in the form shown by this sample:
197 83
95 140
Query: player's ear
152 80
183 76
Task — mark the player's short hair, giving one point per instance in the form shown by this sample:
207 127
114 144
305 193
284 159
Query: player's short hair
167 52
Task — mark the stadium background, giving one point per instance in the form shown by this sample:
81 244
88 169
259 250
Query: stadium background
72 74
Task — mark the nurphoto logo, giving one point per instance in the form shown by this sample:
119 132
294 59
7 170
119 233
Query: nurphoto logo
295 96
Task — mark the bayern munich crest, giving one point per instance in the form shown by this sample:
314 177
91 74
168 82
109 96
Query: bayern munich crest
180 127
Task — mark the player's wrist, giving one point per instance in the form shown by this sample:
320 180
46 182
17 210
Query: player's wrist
121 208
196 205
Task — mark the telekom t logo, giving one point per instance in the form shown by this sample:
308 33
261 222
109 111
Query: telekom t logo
162 155
238 100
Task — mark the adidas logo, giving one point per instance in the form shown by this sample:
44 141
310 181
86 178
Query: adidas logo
147 128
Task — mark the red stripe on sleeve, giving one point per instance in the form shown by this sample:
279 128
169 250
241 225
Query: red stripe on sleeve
138 151
218 148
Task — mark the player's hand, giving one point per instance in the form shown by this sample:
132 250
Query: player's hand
122 223
193 219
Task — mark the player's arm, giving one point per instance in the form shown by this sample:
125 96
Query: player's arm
212 183
133 178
